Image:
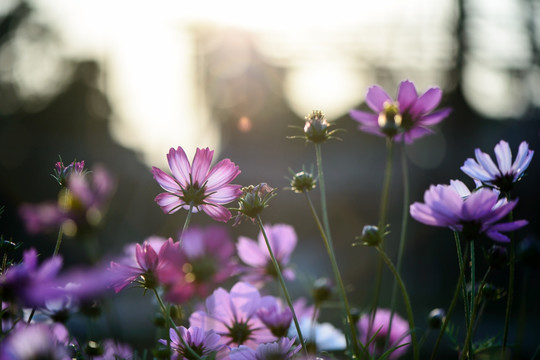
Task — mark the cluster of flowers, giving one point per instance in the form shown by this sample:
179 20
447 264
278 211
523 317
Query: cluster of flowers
246 322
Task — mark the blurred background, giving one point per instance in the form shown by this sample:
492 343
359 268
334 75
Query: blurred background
118 83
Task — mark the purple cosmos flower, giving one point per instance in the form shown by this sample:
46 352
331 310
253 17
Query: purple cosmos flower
197 184
282 239
204 343
42 218
204 261
410 116
233 316
29 284
282 349
472 214
503 175
148 269
319 336
276 317
377 332
114 350
36 341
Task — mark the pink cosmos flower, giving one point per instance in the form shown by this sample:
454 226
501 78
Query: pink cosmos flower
398 335
282 239
148 269
232 315
282 349
472 214
276 317
503 175
204 343
410 116
204 261
197 184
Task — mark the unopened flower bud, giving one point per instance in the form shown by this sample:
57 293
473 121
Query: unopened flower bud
497 256
491 292
302 182
371 236
62 173
390 119
8 245
322 290
93 349
253 201
316 127
436 318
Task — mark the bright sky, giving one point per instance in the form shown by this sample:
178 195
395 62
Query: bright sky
325 46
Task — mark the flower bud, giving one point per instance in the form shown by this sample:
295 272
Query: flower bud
303 181
390 119
436 318
253 201
62 173
371 236
93 349
316 127
497 256
322 290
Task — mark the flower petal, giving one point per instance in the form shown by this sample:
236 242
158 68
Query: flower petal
376 97
221 174
407 95
201 165
179 165
166 181
434 118
364 118
169 203
216 212
426 102
251 253
504 157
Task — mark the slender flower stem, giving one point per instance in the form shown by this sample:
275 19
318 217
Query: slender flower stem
459 287
173 325
58 242
467 347
406 300
322 188
282 283
511 279
382 222
186 223
404 218
343 295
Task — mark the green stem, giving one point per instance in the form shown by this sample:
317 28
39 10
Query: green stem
382 222
467 347
406 300
282 283
186 223
337 276
322 188
404 218
511 277
459 286
58 242
172 325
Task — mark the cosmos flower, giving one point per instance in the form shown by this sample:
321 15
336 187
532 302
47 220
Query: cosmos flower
410 116
197 184
276 317
260 269
377 332
232 315
204 343
320 336
472 214
503 175
282 349
148 269
204 261
36 341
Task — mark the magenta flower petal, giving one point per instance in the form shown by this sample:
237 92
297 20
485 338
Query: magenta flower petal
165 181
217 212
169 203
407 95
364 118
376 97
201 165
179 165
435 118
250 253
221 174
426 102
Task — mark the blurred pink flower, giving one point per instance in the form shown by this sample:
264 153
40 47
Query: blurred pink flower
398 335
197 184
282 239
205 260
232 315
412 114
282 349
